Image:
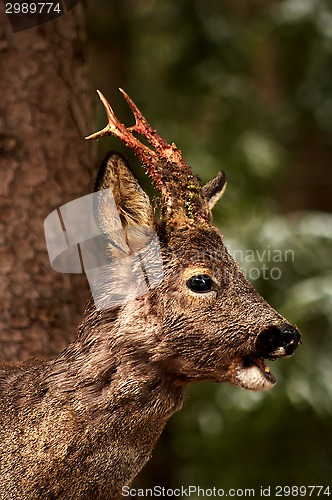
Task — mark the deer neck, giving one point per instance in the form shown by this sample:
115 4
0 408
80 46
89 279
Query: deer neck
122 396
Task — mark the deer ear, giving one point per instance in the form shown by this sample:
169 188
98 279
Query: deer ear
213 190
125 215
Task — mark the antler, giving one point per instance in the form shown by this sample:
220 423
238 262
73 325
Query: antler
165 165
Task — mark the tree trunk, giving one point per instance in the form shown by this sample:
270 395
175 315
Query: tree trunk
45 112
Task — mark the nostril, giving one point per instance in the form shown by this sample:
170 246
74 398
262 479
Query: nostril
278 341
290 338
290 335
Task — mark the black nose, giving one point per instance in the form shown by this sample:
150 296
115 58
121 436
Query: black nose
278 341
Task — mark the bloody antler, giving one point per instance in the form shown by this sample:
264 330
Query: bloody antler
170 174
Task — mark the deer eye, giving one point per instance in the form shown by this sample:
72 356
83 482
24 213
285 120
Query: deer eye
200 283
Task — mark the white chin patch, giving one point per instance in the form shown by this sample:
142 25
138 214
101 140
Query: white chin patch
279 352
253 378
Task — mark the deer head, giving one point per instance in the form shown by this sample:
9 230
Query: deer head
209 322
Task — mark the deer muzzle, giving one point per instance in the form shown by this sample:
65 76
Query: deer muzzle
274 342
278 341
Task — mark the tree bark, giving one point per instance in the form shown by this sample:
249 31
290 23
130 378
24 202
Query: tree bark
45 112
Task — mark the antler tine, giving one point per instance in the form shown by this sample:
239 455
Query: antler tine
110 116
142 126
114 127
168 151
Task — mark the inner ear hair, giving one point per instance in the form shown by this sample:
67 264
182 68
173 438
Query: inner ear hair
213 190
125 216
112 163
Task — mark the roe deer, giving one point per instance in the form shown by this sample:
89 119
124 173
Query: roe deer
82 425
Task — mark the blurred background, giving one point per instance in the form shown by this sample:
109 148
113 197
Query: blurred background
239 86
245 87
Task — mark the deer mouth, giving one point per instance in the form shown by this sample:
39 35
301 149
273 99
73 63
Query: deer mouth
251 372
275 342
257 374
